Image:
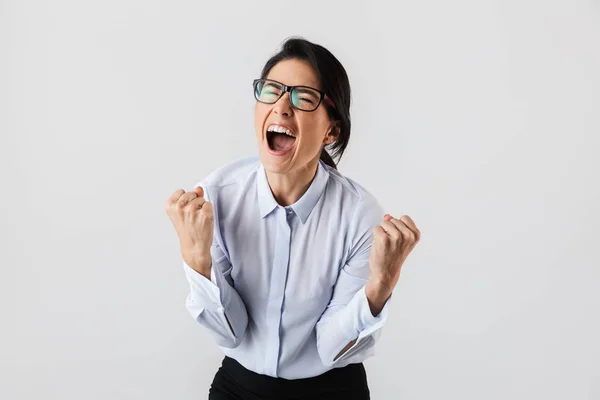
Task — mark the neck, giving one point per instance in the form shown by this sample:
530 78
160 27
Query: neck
288 188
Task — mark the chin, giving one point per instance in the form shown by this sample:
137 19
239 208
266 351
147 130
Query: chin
274 165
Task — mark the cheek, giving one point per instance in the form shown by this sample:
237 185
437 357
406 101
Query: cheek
260 115
315 128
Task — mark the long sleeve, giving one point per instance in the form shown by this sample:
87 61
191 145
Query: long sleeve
348 315
215 303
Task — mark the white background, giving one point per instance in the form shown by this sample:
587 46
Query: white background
479 119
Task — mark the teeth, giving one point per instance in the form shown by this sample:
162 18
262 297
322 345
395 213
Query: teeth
280 129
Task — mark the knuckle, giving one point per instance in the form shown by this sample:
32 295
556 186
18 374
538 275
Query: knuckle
176 195
207 213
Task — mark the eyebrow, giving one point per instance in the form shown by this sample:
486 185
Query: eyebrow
270 80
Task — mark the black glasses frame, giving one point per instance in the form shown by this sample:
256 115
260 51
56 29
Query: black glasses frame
288 89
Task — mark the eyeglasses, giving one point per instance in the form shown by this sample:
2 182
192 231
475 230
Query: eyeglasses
303 98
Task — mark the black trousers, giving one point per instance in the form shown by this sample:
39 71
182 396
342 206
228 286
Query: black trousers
234 382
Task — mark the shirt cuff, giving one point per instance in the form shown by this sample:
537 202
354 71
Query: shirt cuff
203 292
357 321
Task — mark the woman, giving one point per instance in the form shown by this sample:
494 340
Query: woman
291 264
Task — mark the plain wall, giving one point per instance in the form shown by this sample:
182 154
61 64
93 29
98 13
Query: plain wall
479 119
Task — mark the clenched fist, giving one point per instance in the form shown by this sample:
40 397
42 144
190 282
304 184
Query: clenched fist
193 219
393 241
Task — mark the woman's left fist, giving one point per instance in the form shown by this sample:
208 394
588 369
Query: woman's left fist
393 241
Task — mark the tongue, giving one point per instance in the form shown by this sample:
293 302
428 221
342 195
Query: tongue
282 142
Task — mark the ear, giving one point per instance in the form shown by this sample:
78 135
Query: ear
333 134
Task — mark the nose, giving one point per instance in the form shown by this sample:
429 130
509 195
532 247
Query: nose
283 106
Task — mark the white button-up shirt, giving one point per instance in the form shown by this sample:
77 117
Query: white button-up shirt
286 293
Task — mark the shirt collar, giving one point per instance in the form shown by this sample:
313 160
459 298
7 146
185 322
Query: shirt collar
304 206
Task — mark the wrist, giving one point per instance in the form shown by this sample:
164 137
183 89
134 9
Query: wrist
377 295
379 284
201 265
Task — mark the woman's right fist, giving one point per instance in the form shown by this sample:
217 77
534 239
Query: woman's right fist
193 219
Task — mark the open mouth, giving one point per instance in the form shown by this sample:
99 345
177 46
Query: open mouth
280 139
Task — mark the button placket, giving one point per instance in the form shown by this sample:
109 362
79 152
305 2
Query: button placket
277 289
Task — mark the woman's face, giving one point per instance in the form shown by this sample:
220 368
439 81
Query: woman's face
281 153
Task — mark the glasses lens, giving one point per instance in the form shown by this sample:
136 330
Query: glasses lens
267 91
305 98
